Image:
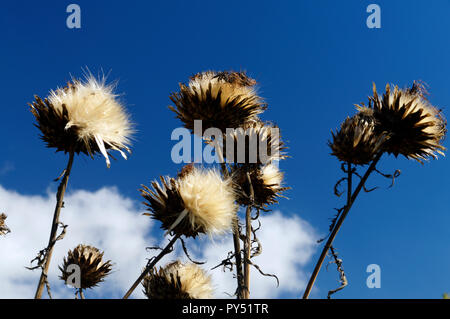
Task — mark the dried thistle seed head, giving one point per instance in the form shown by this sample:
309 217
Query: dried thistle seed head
90 260
3 228
83 117
415 127
220 100
178 281
255 142
356 141
266 182
198 201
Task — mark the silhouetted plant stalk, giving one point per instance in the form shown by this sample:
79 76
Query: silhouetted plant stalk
151 264
53 233
236 238
83 117
400 122
248 241
351 197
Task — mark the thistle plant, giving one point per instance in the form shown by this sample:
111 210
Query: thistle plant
400 122
229 102
83 117
197 201
93 269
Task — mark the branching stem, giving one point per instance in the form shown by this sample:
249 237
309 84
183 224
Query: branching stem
152 264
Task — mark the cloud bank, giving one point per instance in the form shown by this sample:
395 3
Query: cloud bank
114 224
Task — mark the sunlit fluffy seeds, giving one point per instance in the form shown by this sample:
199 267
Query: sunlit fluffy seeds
415 127
221 100
178 281
266 182
90 260
356 141
255 142
197 201
83 117
3 228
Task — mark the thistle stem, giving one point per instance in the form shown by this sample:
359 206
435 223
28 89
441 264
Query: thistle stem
81 294
152 264
350 200
248 241
247 249
236 239
238 257
52 240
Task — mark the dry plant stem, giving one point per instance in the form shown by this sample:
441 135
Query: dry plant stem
238 257
152 264
81 294
59 204
350 200
247 249
236 240
248 242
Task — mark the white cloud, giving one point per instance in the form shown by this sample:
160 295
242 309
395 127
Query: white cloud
115 224
103 218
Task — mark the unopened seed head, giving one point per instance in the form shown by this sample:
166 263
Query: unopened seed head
357 141
93 269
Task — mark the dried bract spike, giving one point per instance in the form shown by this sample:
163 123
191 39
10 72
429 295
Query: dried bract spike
178 281
83 117
3 228
414 126
266 182
90 260
356 141
197 201
221 100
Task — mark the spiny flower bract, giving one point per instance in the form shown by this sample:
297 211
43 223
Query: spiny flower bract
415 127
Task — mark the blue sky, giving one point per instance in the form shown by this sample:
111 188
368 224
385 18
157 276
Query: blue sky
313 60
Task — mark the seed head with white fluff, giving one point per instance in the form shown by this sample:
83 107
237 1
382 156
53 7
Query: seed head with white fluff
219 99
197 201
178 281
84 117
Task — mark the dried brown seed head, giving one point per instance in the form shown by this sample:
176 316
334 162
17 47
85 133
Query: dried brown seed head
90 260
415 128
220 100
356 141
